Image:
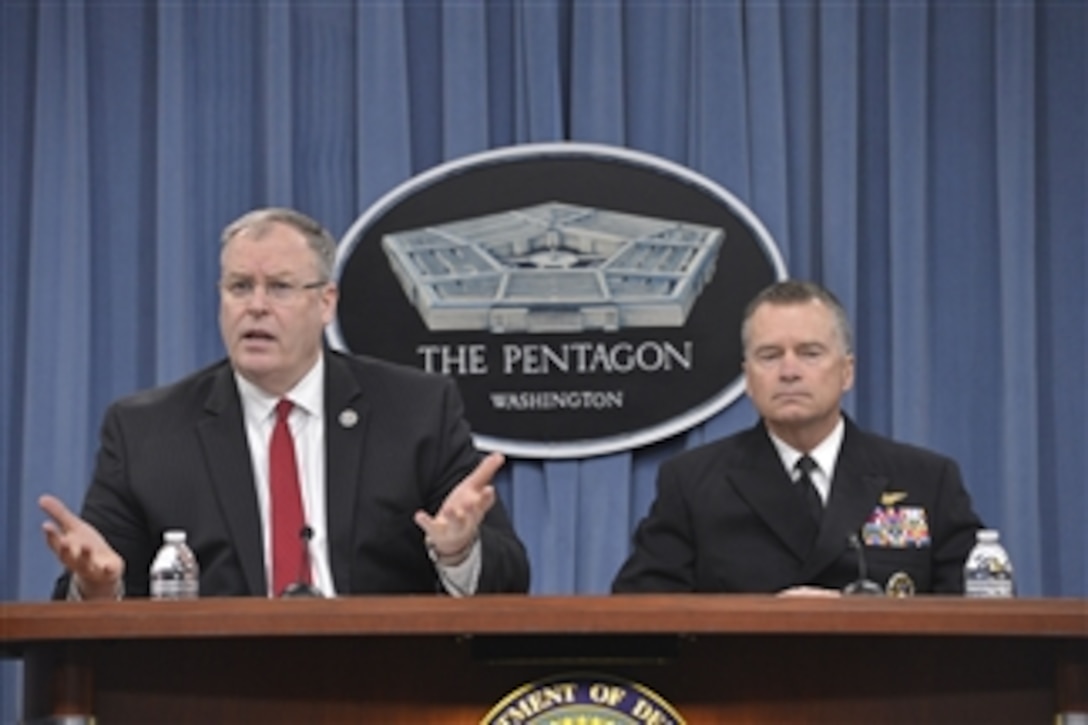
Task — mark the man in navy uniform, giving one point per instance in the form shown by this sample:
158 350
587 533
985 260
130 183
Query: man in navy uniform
776 508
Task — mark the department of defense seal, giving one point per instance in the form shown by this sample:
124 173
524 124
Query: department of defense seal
582 699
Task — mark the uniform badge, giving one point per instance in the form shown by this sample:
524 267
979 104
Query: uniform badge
891 498
900 585
896 527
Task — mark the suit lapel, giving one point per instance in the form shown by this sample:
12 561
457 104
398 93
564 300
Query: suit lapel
763 483
347 416
854 493
227 459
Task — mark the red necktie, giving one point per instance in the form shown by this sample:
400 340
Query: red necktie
288 557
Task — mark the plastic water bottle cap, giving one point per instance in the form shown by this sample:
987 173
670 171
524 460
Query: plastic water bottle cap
174 536
987 535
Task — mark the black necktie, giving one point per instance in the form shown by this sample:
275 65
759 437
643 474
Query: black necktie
807 488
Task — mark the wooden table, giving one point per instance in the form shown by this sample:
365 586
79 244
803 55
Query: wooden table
742 659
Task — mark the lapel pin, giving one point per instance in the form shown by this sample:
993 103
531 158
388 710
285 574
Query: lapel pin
348 418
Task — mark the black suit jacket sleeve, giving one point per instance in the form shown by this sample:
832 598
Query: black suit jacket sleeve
505 565
664 557
410 448
954 527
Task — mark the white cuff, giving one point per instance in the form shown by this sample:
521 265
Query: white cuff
460 580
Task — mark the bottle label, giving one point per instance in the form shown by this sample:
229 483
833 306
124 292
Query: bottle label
174 589
988 587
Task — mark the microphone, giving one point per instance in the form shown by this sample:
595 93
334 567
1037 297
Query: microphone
862 586
301 586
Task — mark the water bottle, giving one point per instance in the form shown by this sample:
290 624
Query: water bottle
988 570
175 573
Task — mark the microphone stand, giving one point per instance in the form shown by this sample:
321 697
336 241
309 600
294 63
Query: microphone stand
862 586
301 588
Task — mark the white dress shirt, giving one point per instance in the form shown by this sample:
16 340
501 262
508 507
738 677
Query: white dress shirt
307 423
826 455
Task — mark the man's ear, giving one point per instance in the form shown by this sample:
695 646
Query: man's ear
329 298
848 374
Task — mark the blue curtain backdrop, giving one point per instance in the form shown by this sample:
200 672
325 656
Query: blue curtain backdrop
925 160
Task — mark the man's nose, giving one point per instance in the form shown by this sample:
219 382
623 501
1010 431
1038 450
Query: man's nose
789 367
257 301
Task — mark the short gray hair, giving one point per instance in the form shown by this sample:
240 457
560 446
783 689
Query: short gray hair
318 237
796 292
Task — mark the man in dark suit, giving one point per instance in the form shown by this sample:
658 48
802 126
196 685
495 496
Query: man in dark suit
393 495
744 514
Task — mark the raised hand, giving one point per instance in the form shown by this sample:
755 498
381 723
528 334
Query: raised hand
451 532
97 568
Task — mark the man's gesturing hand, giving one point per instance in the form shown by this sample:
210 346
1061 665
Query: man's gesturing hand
451 532
97 568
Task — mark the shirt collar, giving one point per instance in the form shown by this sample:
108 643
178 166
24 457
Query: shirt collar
826 453
308 394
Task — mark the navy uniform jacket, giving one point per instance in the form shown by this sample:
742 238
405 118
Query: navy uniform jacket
177 457
727 518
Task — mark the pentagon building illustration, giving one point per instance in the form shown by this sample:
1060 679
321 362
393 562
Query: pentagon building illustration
554 268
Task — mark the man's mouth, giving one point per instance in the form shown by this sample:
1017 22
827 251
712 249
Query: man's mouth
258 336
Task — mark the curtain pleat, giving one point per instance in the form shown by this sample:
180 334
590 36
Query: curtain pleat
383 104
910 315
598 93
541 74
1062 346
274 90
54 412
179 115
839 144
1015 178
718 122
465 128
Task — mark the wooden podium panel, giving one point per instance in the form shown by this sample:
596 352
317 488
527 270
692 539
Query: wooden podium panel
744 659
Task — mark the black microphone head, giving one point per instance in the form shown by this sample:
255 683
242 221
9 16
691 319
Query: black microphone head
864 588
300 590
